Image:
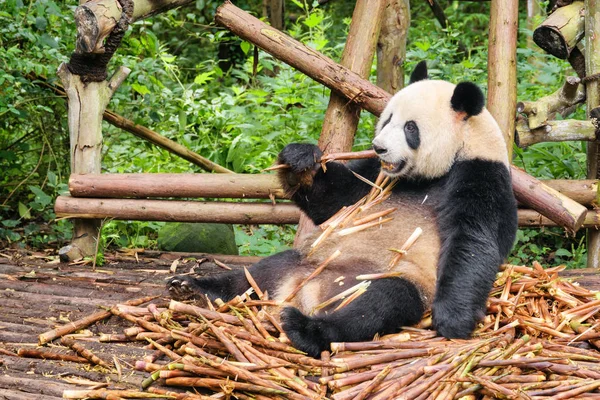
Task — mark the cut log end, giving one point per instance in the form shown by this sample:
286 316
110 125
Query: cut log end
549 39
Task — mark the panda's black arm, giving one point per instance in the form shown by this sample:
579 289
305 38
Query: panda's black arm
319 193
477 219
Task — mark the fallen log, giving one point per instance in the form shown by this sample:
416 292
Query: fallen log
367 95
182 211
561 31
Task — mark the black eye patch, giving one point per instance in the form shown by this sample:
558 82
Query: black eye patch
387 121
411 131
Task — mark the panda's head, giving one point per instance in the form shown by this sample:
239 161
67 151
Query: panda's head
429 125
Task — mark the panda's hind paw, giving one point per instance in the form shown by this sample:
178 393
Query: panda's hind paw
303 331
454 325
184 287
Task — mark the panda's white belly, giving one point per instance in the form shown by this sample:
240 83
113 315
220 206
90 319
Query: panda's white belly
371 251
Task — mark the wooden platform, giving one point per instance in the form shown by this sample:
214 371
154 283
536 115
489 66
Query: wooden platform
37 295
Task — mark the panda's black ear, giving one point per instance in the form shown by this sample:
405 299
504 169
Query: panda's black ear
467 98
419 73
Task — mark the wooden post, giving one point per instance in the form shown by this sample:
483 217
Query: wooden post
274 10
592 67
391 47
87 102
502 66
561 31
341 117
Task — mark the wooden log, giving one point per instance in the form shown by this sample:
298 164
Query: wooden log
239 186
561 31
547 201
305 59
531 218
391 46
161 141
87 102
592 67
502 66
541 111
97 18
256 186
182 211
438 12
555 131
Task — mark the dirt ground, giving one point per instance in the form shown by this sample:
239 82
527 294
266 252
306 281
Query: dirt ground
38 294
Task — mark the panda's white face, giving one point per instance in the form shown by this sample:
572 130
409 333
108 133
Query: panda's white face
420 135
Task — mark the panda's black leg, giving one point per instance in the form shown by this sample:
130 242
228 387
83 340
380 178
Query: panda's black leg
267 273
387 305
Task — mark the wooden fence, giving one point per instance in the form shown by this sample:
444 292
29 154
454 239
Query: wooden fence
94 196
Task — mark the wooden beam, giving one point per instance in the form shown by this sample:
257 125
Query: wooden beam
176 210
240 186
220 212
247 186
592 67
502 66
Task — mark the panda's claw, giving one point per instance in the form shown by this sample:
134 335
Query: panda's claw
183 287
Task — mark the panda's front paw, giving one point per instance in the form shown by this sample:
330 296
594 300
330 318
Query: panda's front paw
452 321
184 287
303 331
301 157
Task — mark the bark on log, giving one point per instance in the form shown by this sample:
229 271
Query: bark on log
561 31
592 67
239 186
548 201
502 66
181 211
555 131
97 18
308 61
541 111
87 103
391 47
257 186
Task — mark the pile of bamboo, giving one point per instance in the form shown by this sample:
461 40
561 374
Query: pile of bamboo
537 342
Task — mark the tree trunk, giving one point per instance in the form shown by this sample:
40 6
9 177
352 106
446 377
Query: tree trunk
592 61
274 10
502 66
86 106
555 131
96 19
391 47
174 210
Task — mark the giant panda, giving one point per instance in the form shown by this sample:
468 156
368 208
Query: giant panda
449 158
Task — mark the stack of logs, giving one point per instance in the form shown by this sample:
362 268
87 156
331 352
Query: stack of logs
538 341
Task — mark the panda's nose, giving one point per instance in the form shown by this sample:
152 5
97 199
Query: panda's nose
379 149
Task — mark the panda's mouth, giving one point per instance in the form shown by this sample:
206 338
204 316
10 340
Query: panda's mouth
392 168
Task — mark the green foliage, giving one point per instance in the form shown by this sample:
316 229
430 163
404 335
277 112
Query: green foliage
200 86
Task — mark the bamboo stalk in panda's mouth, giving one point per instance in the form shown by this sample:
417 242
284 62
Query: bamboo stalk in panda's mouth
343 156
